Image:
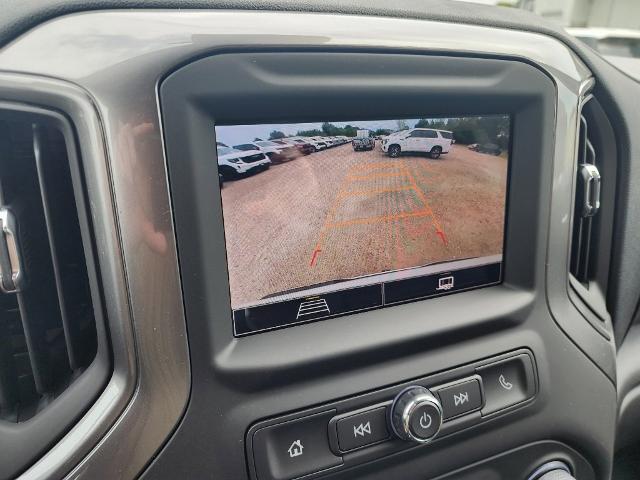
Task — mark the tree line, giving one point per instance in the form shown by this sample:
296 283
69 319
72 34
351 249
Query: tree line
468 130
491 129
330 130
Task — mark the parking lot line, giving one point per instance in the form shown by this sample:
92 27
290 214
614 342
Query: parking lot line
376 175
380 218
374 191
377 171
330 214
377 165
439 230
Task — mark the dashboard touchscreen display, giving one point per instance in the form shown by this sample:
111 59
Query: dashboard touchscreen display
331 218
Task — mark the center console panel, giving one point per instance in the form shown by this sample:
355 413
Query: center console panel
360 429
317 399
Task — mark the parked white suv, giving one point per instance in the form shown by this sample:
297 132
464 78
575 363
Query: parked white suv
319 143
233 163
418 140
276 153
313 141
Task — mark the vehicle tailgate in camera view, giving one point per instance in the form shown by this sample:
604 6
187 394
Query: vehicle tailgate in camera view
339 215
363 141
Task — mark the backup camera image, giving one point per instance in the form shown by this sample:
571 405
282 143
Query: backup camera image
323 219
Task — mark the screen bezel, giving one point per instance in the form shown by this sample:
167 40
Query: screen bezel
337 82
241 329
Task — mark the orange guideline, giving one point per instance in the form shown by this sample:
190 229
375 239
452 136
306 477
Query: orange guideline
369 170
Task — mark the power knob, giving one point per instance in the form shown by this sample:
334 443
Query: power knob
416 415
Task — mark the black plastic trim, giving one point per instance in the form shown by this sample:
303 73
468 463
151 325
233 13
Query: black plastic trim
383 398
259 376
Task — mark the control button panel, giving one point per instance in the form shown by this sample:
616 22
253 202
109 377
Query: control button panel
460 398
352 431
293 449
507 383
362 429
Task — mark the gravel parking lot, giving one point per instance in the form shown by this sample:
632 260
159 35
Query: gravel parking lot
340 214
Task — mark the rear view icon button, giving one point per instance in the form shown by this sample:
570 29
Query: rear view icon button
445 283
313 307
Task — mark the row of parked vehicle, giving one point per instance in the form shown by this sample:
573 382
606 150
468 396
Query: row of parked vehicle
431 141
261 154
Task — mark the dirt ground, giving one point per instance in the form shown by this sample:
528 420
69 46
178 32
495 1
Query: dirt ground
340 214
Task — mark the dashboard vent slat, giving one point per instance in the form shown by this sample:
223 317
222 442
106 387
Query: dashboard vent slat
9 384
49 320
64 242
54 349
587 204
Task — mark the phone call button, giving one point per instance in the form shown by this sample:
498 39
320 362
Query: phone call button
507 383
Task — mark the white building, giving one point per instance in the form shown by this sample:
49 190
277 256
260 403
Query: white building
589 13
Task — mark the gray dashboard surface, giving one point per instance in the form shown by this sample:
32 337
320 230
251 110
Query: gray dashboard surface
21 15
612 89
262 376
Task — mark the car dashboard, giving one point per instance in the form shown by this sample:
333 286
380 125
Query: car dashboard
216 353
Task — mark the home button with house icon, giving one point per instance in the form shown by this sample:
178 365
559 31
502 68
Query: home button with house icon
293 449
296 449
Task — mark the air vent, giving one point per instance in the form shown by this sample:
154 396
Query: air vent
587 204
592 234
51 327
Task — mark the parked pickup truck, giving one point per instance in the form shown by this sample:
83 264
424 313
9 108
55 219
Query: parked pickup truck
363 141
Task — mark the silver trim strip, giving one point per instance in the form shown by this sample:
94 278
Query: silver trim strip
554 466
118 71
12 280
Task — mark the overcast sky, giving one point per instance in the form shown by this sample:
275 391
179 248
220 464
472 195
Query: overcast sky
236 134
